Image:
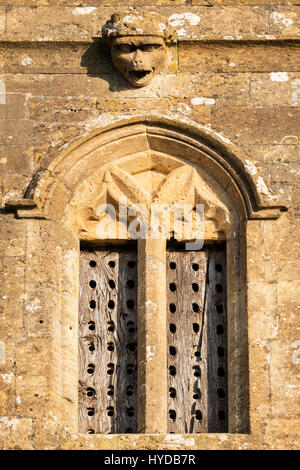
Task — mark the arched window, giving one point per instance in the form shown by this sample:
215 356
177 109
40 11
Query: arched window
163 342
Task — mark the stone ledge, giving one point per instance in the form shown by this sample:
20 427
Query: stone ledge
197 23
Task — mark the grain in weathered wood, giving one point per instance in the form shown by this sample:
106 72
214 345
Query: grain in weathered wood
108 341
217 368
187 334
199 339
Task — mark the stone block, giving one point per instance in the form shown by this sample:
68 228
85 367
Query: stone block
38 351
15 132
35 84
14 107
222 88
32 392
275 89
260 125
15 159
280 240
2 21
285 373
235 57
61 23
283 173
283 434
7 392
262 309
14 187
259 382
15 433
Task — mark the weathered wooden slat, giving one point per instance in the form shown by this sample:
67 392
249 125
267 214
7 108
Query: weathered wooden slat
217 369
197 344
108 342
186 274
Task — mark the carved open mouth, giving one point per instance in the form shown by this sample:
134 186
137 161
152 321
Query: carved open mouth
139 74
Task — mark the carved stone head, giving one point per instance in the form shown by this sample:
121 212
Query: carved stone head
138 43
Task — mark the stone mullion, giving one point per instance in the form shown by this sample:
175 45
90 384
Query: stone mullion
152 349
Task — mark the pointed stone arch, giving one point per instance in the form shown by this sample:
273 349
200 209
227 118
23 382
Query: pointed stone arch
53 187
70 182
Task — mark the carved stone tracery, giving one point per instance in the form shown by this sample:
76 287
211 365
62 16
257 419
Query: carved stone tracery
145 181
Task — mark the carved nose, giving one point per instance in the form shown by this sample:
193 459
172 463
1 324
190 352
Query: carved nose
138 59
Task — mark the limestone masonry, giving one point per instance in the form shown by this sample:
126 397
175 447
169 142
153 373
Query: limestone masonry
160 101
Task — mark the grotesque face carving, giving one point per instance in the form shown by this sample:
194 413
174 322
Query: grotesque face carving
138 42
138 58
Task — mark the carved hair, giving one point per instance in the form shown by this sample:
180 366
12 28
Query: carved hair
138 23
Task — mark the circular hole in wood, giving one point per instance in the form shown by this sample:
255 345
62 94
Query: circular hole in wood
197 353
130 412
91 347
197 394
172 392
220 329
92 304
221 393
130 369
130 326
90 392
195 327
110 347
172 370
172 265
93 264
129 390
172 414
131 264
111 326
172 350
195 266
111 304
130 284
221 372
91 411
197 371
221 415
172 327
219 308
91 368
131 347
93 284
219 288
172 308
172 287
91 431
195 307
219 268
91 325
221 351
110 411
111 264
41 321
198 415
110 390
111 284
130 304
195 287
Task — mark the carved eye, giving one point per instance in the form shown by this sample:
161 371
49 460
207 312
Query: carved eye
150 47
125 48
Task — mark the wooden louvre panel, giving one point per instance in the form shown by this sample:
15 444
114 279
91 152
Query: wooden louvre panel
197 341
108 341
